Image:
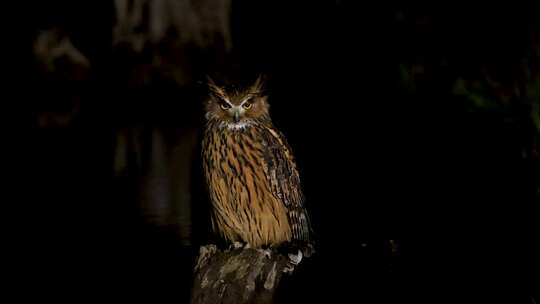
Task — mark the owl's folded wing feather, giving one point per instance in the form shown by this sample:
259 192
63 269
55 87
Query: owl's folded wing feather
280 169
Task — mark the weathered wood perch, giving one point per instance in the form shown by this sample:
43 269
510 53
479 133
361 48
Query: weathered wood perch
243 275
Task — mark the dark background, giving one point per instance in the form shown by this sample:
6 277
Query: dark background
414 129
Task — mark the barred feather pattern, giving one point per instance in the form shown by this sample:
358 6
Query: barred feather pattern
254 185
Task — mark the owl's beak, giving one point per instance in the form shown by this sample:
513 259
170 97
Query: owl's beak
236 116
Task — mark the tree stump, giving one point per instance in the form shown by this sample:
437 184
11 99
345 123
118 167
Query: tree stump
243 275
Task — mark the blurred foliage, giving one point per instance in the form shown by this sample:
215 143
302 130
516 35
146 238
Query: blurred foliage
476 92
533 95
489 95
483 70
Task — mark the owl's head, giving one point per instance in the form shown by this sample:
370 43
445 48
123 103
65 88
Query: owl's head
237 108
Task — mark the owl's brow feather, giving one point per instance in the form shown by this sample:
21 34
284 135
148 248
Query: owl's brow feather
258 93
217 92
227 101
251 95
223 92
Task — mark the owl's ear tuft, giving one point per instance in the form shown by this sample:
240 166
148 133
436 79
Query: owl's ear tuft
214 88
210 81
259 87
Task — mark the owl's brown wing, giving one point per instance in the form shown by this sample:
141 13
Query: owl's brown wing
280 169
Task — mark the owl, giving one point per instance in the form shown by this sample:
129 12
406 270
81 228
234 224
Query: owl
253 182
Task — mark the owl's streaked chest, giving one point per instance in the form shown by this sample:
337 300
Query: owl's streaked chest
244 206
230 151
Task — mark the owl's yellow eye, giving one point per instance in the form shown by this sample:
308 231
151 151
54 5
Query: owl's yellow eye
224 105
246 105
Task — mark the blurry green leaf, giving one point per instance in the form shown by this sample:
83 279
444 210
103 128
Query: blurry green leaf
533 94
481 102
407 77
460 87
533 89
535 113
478 100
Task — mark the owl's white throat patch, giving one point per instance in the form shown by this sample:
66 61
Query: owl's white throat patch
236 126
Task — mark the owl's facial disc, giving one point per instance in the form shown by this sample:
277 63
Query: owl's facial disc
237 119
238 114
236 110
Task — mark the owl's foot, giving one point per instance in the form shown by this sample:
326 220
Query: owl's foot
205 253
236 245
266 252
296 258
289 268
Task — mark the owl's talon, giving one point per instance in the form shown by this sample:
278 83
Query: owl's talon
288 269
295 258
236 245
205 253
266 252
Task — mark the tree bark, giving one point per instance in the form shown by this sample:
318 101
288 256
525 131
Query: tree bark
243 275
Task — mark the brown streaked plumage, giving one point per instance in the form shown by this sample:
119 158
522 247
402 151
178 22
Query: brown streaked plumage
251 174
